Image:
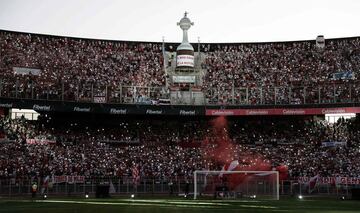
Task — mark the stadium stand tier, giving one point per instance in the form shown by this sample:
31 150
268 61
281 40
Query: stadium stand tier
87 70
103 146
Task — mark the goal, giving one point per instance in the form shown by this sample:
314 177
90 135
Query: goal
236 184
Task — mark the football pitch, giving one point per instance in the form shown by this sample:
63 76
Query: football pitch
176 205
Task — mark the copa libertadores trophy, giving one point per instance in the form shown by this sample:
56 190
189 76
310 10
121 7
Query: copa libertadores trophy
185 72
185 52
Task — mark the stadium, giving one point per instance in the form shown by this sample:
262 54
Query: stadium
105 125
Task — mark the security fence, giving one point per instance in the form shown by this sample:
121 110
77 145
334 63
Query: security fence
150 186
322 93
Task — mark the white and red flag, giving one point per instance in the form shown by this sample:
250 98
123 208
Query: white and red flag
135 174
313 182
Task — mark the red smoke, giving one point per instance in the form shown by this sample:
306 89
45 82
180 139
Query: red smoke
217 145
221 151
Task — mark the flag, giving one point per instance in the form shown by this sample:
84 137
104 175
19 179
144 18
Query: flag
232 179
112 188
45 184
313 183
229 167
222 171
336 181
135 175
233 165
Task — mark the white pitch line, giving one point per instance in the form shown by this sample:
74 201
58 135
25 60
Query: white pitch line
192 201
177 202
160 204
126 204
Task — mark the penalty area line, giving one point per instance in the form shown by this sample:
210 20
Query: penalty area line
128 204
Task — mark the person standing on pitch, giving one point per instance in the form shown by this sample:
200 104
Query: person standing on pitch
33 190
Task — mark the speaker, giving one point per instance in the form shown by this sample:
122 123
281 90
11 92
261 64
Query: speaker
102 191
355 194
320 41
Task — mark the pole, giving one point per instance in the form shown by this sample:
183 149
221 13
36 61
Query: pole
120 96
16 88
195 185
62 90
199 55
119 182
334 93
247 95
164 61
233 91
1 85
277 186
289 95
77 92
32 90
191 95
106 93
92 92
48 91
350 98
275 96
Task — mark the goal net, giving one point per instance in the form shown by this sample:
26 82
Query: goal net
236 184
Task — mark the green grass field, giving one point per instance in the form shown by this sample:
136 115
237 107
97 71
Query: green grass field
176 205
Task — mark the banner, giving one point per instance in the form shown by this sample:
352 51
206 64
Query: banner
99 99
332 180
164 109
185 61
184 79
136 142
26 71
282 111
40 141
333 143
69 179
342 75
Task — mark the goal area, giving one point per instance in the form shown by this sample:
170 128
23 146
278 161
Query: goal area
236 185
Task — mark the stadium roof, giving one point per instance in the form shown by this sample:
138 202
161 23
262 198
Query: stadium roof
228 21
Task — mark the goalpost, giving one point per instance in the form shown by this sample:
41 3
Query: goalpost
236 184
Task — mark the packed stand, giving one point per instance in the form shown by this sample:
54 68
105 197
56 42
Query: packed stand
164 149
259 73
68 63
282 65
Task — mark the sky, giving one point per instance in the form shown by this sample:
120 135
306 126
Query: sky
215 20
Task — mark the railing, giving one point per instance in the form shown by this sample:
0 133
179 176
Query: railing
291 187
325 93
151 186
120 94
123 185
316 94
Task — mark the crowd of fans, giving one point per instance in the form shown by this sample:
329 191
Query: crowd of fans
268 73
283 65
168 148
90 65
260 73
